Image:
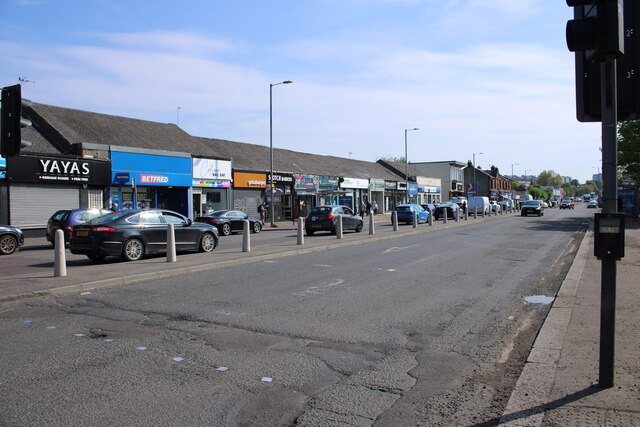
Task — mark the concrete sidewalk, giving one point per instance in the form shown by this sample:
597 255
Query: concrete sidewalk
559 383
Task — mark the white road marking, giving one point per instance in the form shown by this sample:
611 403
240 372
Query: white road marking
317 290
398 248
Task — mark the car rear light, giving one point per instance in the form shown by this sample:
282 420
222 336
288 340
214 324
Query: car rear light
102 229
307 217
68 227
329 216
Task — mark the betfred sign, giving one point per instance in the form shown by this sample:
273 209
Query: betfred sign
153 179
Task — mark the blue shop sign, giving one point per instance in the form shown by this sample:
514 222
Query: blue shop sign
413 189
148 169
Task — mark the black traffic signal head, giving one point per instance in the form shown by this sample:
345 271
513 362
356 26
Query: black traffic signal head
596 29
11 122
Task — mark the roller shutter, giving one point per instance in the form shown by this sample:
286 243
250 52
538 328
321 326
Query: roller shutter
32 205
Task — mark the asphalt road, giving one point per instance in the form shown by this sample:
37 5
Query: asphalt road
430 329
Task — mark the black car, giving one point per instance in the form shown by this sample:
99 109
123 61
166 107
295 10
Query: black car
135 233
10 239
228 221
449 208
532 207
325 218
65 219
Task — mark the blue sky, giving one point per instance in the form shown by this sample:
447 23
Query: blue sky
474 75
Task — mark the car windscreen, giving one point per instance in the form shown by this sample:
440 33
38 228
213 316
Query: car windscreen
321 211
109 218
403 208
534 204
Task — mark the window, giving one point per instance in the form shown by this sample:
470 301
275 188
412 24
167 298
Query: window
150 217
170 218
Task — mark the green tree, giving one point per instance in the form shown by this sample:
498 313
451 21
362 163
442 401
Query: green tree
550 179
569 189
575 183
586 189
629 150
537 193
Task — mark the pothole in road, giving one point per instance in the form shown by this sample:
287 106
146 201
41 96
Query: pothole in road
539 299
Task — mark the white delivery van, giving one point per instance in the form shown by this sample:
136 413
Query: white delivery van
482 203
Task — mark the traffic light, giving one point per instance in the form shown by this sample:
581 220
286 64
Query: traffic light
588 69
596 29
12 122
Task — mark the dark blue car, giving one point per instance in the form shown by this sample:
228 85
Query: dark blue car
10 239
65 219
405 213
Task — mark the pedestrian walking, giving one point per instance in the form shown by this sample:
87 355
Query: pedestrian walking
363 209
374 207
262 210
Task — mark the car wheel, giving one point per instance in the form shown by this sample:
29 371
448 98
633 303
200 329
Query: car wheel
359 227
257 227
133 250
310 232
226 229
8 244
96 257
207 243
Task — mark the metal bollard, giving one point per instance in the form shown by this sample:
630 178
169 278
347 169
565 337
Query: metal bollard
430 218
483 212
466 214
475 213
339 227
415 220
301 230
394 220
171 243
501 210
372 225
246 239
59 260
457 215
445 214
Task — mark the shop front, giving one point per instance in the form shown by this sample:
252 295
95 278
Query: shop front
329 192
376 192
393 196
248 191
356 192
36 187
282 195
211 185
151 181
306 191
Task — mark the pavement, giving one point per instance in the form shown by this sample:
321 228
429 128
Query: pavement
558 385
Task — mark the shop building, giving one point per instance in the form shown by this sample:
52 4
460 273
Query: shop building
356 192
283 185
249 191
306 192
211 185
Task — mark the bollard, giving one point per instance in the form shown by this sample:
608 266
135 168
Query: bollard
394 220
430 218
475 213
171 243
59 260
466 214
445 214
246 239
501 210
372 225
415 219
484 212
339 227
457 215
301 230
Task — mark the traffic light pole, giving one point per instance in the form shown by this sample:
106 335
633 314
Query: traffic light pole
609 205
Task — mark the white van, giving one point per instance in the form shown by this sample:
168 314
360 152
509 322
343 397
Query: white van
481 202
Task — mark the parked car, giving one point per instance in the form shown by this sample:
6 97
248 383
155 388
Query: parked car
449 208
65 219
10 239
479 202
325 218
592 204
405 213
135 233
505 204
567 204
228 221
429 207
494 206
532 207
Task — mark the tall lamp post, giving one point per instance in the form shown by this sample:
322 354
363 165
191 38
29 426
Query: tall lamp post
271 85
406 164
474 172
512 165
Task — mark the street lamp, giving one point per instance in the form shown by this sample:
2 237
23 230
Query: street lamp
406 164
474 172
512 165
271 85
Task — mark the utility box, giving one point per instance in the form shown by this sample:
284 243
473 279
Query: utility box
609 236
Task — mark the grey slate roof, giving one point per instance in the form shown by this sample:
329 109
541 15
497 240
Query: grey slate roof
57 129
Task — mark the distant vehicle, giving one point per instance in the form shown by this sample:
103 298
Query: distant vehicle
65 219
532 207
228 221
10 239
405 213
480 202
592 204
429 207
586 198
458 201
449 209
505 204
567 204
134 233
325 218
545 204
494 206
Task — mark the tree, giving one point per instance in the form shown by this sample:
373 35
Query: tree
550 179
629 150
575 183
569 189
537 193
586 189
